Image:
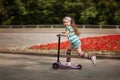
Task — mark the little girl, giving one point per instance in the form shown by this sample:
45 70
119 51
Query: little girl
72 34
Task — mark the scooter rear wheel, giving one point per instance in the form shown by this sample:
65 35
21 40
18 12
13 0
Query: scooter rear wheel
55 66
80 66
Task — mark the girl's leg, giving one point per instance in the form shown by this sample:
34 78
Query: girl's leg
68 56
86 55
83 54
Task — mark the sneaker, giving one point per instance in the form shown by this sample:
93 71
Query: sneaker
68 63
93 59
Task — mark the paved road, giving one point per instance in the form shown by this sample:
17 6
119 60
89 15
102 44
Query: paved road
26 67
24 39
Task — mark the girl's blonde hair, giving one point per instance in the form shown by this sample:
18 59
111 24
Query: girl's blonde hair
74 27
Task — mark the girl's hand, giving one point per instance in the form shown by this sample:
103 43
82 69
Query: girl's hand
65 34
59 34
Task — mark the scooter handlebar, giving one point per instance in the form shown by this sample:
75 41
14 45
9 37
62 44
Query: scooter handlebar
59 34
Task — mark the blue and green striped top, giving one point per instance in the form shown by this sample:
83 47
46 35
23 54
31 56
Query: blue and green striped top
73 38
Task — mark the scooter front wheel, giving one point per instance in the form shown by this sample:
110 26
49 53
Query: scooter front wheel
55 66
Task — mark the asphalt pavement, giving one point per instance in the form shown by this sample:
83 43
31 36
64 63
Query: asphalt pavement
15 38
27 67
38 67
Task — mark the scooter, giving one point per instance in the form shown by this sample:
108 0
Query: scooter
58 65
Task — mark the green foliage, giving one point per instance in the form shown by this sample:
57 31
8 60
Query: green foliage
88 15
117 17
19 12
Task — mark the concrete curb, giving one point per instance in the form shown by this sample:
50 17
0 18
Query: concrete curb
55 55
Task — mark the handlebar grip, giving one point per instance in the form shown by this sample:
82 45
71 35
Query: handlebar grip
59 34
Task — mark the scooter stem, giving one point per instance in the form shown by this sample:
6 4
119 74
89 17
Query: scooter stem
58 56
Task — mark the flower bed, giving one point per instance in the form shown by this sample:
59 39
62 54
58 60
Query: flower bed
109 43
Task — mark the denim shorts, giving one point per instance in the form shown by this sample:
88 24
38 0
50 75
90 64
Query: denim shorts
77 45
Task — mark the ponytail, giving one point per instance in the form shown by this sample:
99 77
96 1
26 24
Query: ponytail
74 27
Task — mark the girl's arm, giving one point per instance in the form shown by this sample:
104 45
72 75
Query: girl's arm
65 34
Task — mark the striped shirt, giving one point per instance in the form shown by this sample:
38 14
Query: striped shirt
72 37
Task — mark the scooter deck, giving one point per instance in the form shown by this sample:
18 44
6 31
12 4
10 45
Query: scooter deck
61 66
68 67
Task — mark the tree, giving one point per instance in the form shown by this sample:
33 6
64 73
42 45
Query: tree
88 16
106 10
22 12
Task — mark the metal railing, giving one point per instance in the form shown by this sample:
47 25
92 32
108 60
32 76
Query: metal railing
61 26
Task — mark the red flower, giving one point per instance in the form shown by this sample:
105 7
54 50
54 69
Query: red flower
102 43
